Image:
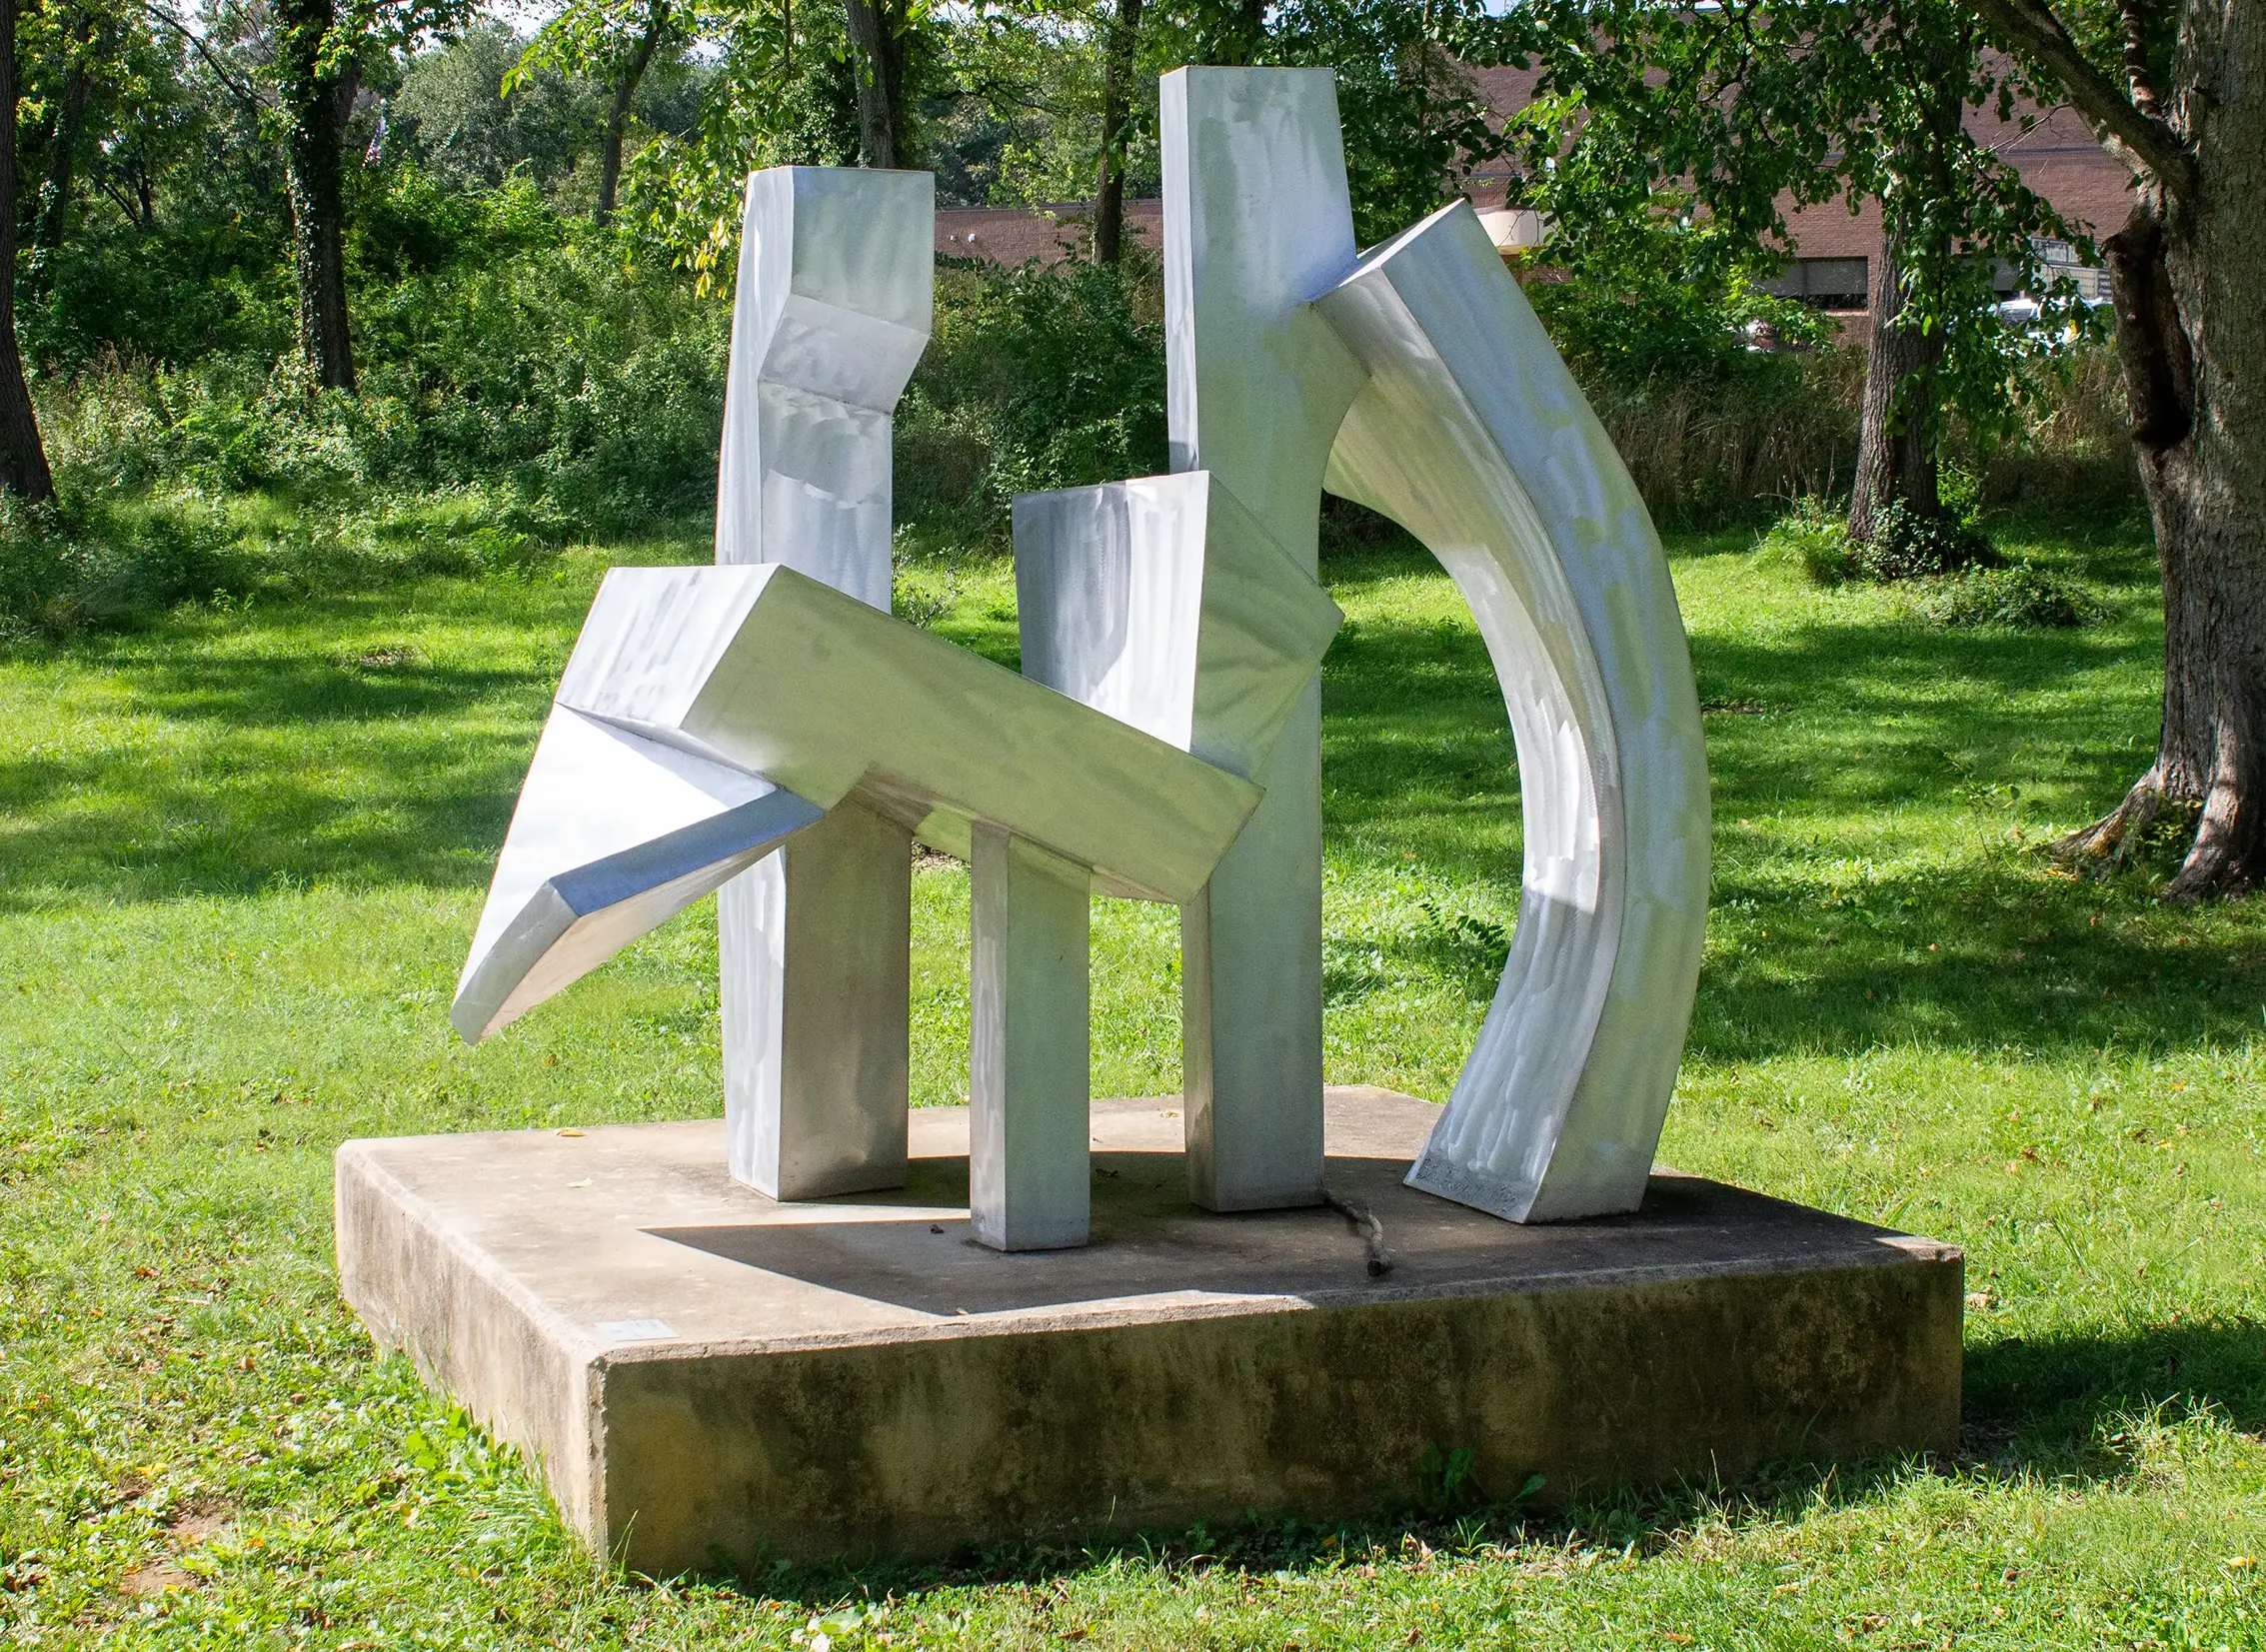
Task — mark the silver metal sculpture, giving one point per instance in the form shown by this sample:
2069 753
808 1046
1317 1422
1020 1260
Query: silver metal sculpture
1164 741
775 701
1257 221
1474 435
830 316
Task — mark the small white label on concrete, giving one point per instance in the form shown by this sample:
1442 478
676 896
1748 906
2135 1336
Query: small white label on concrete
636 1331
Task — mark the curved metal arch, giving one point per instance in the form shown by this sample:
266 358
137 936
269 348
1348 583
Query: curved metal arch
1471 433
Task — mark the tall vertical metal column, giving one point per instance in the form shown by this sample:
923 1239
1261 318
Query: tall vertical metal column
1258 222
836 291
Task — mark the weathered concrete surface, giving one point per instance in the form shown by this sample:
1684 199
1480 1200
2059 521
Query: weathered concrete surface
710 1378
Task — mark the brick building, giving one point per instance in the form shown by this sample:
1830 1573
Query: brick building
1833 248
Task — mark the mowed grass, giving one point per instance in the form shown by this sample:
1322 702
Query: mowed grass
240 856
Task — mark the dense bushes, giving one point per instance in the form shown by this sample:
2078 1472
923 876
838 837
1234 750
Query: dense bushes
1716 449
501 345
1954 576
105 563
1713 449
2022 596
526 377
1034 379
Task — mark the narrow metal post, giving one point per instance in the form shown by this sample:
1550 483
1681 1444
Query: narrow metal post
1028 1179
820 1050
1258 222
836 289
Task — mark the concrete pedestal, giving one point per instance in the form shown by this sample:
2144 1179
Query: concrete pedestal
710 1378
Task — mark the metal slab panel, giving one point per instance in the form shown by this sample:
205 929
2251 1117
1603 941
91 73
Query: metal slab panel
612 835
1164 603
832 312
1258 222
819 693
749 701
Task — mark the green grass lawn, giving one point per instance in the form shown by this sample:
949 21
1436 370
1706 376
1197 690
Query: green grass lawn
240 856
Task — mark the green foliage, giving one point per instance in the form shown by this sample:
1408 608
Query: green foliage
1646 312
102 562
63 571
1814 536
1909 544
1412 120
1014 116
1037 377
1906 544
1653 122
2020 596
502 344
453 116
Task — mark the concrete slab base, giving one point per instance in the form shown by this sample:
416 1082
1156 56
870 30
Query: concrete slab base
711 1378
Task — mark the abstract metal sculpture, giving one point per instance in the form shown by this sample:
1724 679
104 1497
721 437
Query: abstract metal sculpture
831 313
1472 435
1164 740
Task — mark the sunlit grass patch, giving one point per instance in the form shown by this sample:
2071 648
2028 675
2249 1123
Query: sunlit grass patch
241 853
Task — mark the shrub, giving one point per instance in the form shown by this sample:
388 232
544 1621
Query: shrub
1036 378
119 561
1906 545
1711 450
2022 596
1914 544
1813 534
499 344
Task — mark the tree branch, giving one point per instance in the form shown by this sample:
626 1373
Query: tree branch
2136 72
241 90
2144 142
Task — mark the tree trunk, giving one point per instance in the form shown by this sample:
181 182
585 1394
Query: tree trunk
617 118
70 123
1118 65
23 457
1896 453
879 49
314 107
2190 288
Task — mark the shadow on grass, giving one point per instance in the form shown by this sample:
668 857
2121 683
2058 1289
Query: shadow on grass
2065 1398
349 759
1984 955
1818 949
1886 714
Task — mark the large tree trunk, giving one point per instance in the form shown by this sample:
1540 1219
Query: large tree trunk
1896 452
1119 66
23 457
2190 291
315 107
618 117
878 47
